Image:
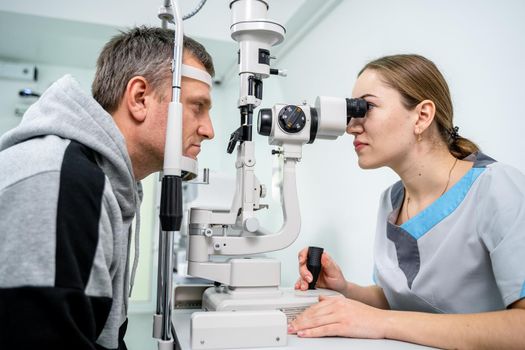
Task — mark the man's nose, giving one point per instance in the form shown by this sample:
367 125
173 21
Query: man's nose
206 128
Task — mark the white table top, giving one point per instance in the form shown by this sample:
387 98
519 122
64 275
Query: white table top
181 321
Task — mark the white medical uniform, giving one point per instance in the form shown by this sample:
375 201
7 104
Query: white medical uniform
465 253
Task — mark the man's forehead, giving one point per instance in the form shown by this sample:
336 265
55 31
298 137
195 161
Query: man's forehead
189 59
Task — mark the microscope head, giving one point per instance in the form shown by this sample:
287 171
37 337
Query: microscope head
300 124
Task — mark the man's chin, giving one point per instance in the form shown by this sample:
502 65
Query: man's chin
191 155
192 152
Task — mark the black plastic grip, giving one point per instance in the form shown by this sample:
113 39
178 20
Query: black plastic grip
313 264
171 203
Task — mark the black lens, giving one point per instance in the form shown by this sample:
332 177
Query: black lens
264 122
356 108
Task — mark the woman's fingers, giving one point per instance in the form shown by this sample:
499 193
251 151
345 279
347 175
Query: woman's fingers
317 317
327 330
327 307
303 270
303 253
301 284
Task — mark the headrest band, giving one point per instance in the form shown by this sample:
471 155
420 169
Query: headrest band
197 74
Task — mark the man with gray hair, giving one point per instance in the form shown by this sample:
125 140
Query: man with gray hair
69 190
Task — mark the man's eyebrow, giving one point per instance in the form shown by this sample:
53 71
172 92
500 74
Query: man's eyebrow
368 95
201 98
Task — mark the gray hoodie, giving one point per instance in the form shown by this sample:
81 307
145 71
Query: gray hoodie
67 200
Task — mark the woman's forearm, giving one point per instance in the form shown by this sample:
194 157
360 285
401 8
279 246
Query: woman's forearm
492 330
370 295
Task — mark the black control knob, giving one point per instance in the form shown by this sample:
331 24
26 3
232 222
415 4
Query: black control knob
292 119
264 121
313 264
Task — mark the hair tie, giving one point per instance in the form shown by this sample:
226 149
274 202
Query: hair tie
454 133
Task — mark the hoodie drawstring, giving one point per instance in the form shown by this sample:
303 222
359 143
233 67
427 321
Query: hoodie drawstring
137 244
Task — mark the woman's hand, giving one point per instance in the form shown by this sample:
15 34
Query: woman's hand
339 316
330 277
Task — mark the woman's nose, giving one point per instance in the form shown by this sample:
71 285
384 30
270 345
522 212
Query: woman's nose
355 126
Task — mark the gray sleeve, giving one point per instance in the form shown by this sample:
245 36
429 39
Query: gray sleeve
45 262
28 231
501 226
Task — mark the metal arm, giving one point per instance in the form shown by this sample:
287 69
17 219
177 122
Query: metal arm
171 194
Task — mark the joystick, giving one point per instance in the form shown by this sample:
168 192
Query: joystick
313 264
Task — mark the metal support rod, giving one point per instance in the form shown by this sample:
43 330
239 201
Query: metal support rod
160 265
171 192
167 276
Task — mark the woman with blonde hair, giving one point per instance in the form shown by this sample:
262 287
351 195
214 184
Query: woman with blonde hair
450 239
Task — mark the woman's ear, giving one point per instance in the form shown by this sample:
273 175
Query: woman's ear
426 110
136 93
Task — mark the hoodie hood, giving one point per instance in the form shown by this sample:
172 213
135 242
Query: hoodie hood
66 111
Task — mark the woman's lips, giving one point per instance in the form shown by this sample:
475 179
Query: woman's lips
359 145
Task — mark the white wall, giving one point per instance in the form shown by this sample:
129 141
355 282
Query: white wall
47 74
480 49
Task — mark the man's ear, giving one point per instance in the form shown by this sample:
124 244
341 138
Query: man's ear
136 98
426 110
